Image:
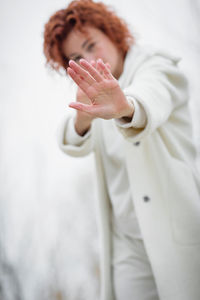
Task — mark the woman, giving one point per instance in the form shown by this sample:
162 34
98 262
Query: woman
132 111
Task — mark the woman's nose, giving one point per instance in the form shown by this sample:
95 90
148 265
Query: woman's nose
90 57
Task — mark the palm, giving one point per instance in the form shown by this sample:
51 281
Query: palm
80 94
103 91
100 95
81 97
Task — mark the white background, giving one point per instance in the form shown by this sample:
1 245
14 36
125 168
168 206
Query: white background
48 236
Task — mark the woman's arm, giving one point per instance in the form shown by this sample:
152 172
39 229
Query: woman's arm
69 141
159 86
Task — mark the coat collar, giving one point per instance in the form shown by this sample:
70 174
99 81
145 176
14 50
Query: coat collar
136 55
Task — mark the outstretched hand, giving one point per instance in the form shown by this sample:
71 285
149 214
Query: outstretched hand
107 100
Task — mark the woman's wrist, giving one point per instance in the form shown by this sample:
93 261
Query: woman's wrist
82 125
128 115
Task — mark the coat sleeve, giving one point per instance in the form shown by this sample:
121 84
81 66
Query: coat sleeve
73 150
138 119
161 88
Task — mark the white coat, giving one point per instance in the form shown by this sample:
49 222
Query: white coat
165 185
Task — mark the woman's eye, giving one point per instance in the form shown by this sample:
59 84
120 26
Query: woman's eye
91 46
77 58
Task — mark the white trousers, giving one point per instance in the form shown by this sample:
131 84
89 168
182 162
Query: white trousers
131 270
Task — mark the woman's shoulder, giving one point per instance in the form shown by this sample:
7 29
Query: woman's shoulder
147 58
142 52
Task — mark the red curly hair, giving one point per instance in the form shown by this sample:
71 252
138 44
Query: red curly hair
78 14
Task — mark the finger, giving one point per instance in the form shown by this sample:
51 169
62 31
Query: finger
82 84
108 65
99 70
92 71
79 70
95 65
82 107
105 69
93 110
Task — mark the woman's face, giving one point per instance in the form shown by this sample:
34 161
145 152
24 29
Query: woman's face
92 46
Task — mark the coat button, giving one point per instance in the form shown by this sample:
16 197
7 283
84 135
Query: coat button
146 198
137 143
